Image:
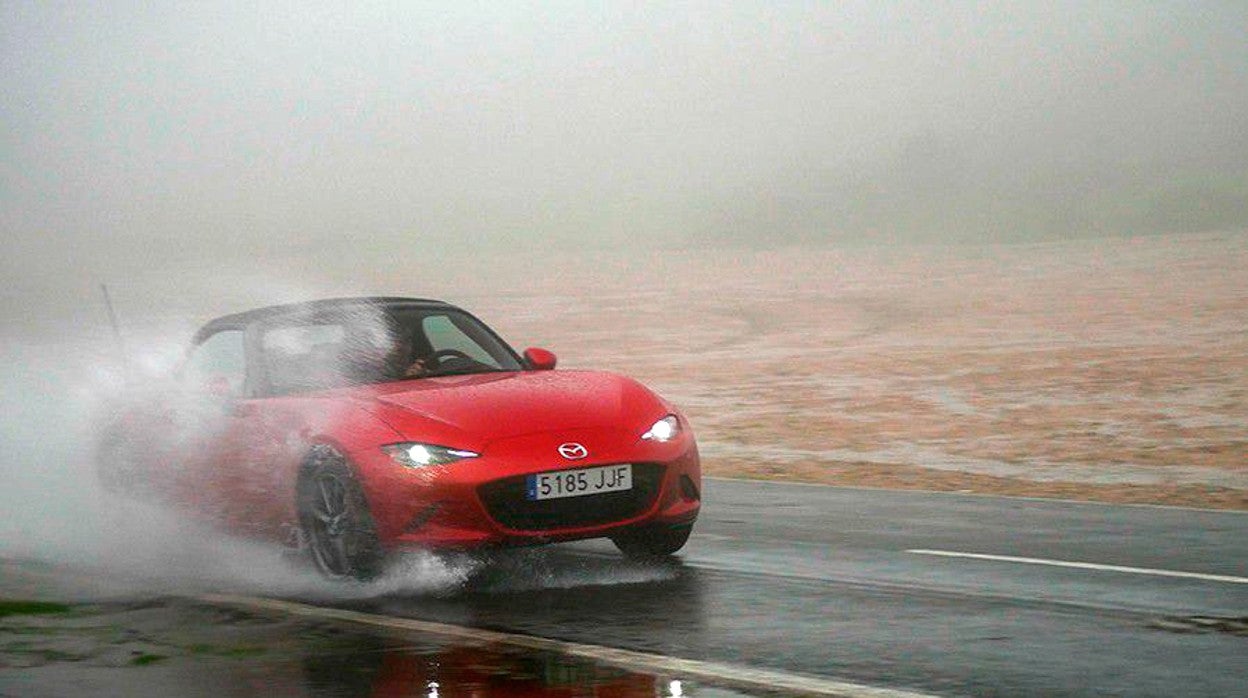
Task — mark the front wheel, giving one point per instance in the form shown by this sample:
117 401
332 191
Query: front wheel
649 542
337 525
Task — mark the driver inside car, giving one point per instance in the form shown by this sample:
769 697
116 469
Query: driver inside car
409 353
370 356
400 362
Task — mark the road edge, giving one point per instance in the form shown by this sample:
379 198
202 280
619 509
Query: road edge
712 673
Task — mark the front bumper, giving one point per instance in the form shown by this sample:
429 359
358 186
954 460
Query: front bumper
480 502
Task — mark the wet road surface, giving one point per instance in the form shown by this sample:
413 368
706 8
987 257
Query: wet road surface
870 586
102 644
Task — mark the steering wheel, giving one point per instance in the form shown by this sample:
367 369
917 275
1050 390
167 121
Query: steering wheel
437 357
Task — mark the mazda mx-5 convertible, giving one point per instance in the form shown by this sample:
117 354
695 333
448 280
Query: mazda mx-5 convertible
358 427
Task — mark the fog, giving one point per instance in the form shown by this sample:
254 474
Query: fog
205 158
141 136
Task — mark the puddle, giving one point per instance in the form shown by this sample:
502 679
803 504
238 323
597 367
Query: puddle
57 639
175 647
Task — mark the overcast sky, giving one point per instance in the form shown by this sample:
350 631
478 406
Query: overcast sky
139 136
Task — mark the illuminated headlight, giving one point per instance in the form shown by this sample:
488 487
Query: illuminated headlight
415 455
663 430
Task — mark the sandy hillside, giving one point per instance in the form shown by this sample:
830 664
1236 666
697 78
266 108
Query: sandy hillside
1108 369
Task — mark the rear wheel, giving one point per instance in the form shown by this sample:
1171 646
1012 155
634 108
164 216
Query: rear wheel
337 525
649 542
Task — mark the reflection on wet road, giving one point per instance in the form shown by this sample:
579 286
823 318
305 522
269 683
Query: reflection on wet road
379 667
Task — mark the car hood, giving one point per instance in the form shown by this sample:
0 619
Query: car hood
480 408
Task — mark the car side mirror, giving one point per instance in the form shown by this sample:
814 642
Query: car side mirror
539 359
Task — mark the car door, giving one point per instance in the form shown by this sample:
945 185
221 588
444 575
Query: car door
240 436
203 427
267 433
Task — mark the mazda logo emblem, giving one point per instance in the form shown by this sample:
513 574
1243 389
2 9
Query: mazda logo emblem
573 451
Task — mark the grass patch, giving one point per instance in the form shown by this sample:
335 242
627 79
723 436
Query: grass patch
45 655
145 659
31 608
59 656
239 652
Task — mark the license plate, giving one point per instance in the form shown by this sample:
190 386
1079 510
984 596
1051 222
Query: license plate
578 483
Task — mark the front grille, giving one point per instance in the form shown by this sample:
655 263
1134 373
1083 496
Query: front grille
504 500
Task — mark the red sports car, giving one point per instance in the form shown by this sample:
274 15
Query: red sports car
360 426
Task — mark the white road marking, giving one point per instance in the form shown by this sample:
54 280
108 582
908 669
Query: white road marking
726 675
1086 566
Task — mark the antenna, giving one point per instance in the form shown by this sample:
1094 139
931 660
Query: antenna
112 320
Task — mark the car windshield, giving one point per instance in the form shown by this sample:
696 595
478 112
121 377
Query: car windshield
377 345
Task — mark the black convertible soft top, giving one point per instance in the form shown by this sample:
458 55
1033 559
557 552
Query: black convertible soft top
316 307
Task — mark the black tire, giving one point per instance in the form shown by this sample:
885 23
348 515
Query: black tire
651 542
337 525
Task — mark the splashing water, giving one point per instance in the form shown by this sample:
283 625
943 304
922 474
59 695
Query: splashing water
54 398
